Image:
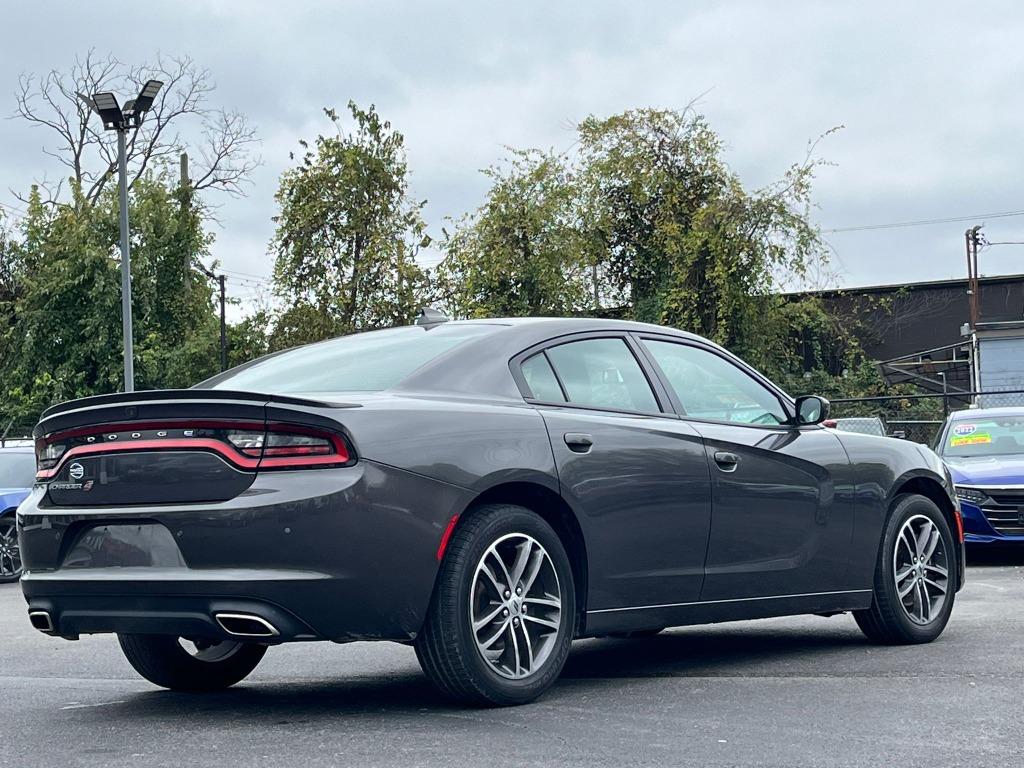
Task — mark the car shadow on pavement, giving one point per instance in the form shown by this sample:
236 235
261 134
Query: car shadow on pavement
992 555
733 651
738 651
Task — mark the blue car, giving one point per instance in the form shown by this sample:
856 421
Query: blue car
17 473
984 450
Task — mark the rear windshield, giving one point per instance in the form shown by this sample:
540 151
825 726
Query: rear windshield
359 363
17 469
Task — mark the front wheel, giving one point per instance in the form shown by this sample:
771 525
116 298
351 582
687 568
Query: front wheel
502 617
915 577
190 665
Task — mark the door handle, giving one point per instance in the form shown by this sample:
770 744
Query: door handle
578 442
726 461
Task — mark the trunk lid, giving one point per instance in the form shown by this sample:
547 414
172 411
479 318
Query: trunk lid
173 446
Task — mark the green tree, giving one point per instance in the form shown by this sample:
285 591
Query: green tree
524 252
347 234
65 338
684 242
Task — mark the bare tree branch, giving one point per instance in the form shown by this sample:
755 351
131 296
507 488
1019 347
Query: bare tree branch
179 120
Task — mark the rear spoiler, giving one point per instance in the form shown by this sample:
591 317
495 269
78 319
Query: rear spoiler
167 396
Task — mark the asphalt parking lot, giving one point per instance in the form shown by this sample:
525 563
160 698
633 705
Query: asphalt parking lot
782 692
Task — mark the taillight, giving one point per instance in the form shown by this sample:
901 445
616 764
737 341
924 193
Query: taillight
249 446
289 447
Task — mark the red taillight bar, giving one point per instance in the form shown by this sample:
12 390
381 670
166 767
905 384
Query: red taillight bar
192 444
334 453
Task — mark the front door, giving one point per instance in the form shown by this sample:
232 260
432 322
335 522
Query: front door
782 501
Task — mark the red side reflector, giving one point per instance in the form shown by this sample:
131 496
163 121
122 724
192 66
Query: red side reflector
446 536
959 524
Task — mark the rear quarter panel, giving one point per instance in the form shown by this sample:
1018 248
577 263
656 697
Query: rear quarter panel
472 444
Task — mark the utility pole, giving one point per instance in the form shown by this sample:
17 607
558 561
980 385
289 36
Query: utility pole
971 240
223 319
223 326
185 183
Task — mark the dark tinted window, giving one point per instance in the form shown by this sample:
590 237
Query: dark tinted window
362 362
17 469
710 387
541 380
602 373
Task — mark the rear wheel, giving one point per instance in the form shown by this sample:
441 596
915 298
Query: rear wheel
190 665
503 612
10 553
915 577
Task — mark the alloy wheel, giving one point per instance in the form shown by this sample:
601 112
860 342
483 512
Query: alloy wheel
515 608
10 552
921 569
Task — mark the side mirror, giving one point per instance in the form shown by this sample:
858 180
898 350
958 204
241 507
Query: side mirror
811 409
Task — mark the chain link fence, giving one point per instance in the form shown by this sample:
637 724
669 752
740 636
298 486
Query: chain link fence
15 435
920 417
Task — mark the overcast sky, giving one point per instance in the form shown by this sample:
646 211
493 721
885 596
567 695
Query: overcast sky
930 95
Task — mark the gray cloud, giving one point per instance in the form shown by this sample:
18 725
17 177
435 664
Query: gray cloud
928 92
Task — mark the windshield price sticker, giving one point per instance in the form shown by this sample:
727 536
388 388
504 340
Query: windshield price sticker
977 438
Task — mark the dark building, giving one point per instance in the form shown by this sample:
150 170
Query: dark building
916 331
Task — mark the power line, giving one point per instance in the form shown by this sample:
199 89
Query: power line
9 207
264 278
924 222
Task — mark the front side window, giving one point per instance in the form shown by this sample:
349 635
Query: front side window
602 373
710 387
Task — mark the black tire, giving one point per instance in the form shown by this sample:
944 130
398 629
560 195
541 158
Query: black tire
887 621
447 648
163 661
10 553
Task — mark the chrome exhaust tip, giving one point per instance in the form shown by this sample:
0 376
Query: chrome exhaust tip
245 625
41 620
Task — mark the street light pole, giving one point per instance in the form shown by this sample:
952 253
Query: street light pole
121 120
126 265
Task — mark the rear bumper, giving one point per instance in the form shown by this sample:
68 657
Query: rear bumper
185 603
341 554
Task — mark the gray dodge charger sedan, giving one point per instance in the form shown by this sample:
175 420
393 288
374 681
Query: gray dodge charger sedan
484 490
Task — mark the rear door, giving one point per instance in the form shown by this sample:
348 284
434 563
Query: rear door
783 504
636 475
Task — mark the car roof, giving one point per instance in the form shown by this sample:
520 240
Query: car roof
577 323
974 413
480 366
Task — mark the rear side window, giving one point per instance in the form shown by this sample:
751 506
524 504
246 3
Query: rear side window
362 362
541 379
602 373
